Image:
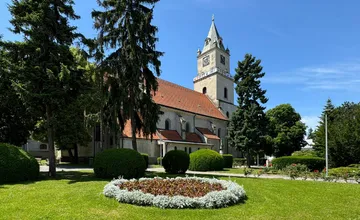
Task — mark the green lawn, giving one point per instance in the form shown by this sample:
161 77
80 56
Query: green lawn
78 195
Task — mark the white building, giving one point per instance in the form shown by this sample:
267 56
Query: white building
192 119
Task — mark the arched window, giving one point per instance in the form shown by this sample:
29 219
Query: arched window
175 148
167 124
219 132
187 127
190 150
204 90
225 93
227 114
186 149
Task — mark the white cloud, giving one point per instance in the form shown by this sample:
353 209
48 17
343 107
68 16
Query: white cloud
311 121
340 76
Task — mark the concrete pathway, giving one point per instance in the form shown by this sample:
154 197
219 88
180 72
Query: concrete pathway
209 173
263 176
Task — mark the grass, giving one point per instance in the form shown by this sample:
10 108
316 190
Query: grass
77 195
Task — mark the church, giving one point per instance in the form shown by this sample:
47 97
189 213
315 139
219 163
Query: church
192 119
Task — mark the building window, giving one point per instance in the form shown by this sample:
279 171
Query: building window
187 127
175 148
186 149
222 59
43 146
167 124
225 93
204 90
219 132
97 132
189 150
227 114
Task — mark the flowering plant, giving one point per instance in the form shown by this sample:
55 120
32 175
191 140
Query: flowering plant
222 194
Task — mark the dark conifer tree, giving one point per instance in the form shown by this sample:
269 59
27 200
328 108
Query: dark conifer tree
132 63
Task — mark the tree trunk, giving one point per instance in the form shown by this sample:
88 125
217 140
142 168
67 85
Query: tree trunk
133 131
50 133
76 154
71 155
248 157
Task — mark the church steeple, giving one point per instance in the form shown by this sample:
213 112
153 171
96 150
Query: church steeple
213 38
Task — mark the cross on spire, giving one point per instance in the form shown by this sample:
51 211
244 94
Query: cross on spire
213 17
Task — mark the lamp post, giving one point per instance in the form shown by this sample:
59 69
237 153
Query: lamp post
326 147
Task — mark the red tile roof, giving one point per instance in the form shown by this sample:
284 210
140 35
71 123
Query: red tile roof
175 96
128 134
207 133
170 135
193 137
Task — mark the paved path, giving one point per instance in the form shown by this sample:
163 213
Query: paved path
162 170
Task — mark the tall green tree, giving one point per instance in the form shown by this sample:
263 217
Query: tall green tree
247 128
47 77
319 134
343 135
286 129
125 28
16 121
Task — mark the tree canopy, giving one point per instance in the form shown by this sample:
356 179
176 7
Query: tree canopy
286 129
343 134
131 66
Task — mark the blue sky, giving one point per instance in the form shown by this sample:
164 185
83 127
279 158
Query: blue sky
309 49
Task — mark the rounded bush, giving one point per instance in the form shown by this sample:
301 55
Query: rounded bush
176 161
313 163
146 158
17 165
228 160
206 160
123 162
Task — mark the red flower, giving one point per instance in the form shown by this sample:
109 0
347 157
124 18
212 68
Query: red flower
293 164
316 171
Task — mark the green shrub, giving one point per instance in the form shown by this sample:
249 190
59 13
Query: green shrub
17 165
313 163
296 170
228 160
206 160
146 158
354 165
176 161
238 162
304 153
159 159
119 162
344 172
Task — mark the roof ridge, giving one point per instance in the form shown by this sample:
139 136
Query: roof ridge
191 90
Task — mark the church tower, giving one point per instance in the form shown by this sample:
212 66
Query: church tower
213 77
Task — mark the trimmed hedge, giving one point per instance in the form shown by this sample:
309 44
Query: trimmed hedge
146 158
206 160
123 162
228 160
17 165
176 161
313 163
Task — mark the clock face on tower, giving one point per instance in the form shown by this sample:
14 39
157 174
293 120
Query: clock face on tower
222 59
206 60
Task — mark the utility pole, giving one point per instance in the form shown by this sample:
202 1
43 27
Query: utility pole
326 147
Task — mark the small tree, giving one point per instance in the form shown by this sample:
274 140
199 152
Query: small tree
247 129
286 129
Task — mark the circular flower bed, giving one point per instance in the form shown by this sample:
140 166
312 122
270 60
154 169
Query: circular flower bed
176 193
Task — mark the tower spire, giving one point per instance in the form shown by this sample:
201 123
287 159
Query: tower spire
213 39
